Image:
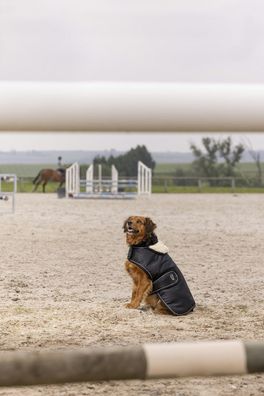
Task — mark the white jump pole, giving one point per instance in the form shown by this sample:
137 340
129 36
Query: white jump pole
114 186
100 188
147 361
144 179
161 107
73 179
89 179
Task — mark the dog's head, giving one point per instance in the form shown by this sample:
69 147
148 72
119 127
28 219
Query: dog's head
139 230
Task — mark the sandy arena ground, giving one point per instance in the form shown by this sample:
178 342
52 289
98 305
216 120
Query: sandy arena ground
63 284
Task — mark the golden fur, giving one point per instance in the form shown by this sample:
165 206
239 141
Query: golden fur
140 229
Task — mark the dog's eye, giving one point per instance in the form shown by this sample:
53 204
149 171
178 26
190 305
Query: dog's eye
139 222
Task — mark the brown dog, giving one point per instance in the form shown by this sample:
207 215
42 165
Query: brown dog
140 229
147 284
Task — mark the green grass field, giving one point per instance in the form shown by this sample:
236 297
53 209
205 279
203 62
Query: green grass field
170 169
25 185
25 170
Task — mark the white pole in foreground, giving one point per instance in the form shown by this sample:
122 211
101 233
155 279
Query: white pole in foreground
134 362
149 107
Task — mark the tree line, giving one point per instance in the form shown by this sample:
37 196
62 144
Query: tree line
126 164
214 159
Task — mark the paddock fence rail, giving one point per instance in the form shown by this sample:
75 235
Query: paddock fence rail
167 184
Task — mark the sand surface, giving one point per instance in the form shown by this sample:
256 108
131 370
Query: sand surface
63 283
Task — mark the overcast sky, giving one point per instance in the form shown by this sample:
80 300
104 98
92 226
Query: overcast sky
179 142
136 40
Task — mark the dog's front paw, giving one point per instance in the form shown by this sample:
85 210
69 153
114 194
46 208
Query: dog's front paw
130 305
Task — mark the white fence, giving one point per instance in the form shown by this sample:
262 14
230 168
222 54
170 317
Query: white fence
8 195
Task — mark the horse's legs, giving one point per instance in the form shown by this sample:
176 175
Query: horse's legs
35 188
43 186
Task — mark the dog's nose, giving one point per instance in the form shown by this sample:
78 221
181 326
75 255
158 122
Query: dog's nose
129 223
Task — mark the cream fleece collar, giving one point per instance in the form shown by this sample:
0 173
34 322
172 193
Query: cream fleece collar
159 247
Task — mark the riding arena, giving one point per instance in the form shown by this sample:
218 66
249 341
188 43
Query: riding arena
64 286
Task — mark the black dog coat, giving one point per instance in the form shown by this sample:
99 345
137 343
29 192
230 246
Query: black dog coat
168 281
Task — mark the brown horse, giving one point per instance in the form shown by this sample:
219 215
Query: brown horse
46 175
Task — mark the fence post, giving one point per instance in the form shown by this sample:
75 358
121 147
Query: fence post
233 184
21 184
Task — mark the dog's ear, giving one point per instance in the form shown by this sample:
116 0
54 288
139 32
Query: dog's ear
125 225
150 226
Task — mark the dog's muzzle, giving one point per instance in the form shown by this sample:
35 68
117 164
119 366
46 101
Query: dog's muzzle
131 231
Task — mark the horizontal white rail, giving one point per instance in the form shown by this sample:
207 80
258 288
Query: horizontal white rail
162 107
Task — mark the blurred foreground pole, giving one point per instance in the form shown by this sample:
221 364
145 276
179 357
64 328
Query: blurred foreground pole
135 362
135 107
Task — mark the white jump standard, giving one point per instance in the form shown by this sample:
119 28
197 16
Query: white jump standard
107 187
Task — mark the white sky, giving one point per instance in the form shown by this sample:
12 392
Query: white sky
179 142
136 40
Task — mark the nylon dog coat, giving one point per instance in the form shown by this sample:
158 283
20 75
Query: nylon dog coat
168 281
